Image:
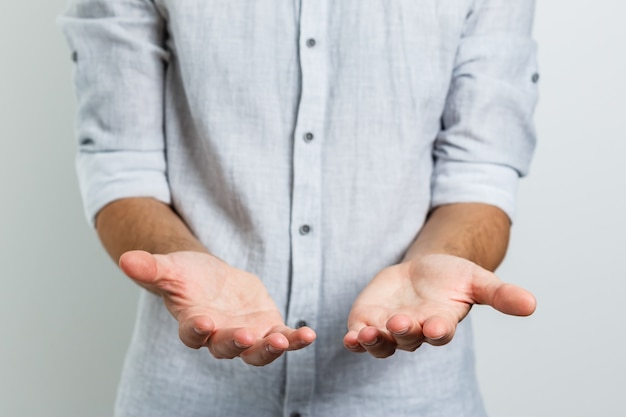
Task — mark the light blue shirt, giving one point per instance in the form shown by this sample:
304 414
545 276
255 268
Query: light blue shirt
304 141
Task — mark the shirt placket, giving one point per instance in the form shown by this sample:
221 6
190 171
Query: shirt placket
306 204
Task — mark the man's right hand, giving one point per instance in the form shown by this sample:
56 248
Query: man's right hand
223 308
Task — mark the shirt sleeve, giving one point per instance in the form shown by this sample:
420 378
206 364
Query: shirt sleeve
487 136
119 62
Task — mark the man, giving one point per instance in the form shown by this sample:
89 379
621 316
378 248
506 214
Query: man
297 183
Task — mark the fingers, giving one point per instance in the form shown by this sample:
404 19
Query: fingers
507 298
153 272
224 330
140 266
407 333
438 330
514 300
410 334
156 273
265 350
378 343
199 331
372 340
351 342
401 333
195 332
279 340
298 338
230 343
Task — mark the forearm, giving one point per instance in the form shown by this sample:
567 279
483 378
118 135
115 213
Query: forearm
477 232
144 224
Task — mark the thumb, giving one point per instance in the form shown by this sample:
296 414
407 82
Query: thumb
507 298
140 266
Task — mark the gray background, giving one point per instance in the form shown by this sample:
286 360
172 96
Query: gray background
66 313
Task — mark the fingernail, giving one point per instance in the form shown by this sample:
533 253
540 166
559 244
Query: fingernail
240 346
272 349
199 331
401 332
371 343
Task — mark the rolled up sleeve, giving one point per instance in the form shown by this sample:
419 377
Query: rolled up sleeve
119 63
488 136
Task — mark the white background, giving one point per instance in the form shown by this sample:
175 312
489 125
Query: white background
66 313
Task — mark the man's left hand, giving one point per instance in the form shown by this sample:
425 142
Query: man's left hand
423 300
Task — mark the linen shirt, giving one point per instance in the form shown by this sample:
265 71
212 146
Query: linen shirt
304 141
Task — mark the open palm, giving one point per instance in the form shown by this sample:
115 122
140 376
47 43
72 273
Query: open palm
423 301
223 308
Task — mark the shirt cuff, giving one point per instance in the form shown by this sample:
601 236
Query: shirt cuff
470 182
108 176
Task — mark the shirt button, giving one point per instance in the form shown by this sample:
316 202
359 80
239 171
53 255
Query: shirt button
305 229
300 324
535 78
310 42
308 137
75 56
295 415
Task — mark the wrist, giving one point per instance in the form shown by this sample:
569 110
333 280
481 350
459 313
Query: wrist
476 232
